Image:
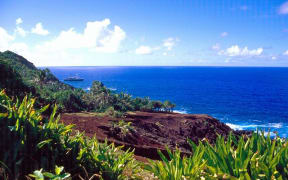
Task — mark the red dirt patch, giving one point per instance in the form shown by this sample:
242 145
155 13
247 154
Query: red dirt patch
151 131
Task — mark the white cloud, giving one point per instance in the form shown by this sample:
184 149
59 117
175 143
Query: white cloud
273 57
19 21
283 8
216 47
112 40
38 29
142 50
7 42
19 48
285 53
69 47
237 51
224 34
20 31
97 36
227 60
170 43
5 39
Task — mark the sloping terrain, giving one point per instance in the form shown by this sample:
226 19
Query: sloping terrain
20 77
150 131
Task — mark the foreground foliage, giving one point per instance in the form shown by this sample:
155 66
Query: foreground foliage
39 175
178 167
255 157
29 141
42 147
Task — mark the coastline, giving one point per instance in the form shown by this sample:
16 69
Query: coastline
245 103
248 127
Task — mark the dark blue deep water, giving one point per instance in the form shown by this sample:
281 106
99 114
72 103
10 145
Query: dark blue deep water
244 98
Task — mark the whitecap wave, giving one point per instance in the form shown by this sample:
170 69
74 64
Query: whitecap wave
112 89
255 120
275 125
234 126
180 111
242 127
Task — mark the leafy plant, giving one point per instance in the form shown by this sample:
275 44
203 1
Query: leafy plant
39 175
122 128
111 161
255 157
28 142
177 167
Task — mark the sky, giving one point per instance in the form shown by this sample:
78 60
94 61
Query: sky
146 32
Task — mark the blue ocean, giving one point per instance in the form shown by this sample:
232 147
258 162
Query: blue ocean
242 97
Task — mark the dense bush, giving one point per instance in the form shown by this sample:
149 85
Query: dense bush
29 141
255 157
178 167
19 77
12 82
101 99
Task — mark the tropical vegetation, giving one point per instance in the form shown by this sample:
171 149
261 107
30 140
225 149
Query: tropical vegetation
34 145
256 157
30 141
20 77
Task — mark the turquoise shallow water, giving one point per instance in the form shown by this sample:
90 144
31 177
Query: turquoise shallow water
244 98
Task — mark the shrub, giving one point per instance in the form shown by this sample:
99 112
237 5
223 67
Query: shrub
110 160
28 142
39 175
255 157
122 128
177 167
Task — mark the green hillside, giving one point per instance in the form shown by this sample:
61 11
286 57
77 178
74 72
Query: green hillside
40 83
20 77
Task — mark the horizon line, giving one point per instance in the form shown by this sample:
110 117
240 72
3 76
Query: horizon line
169 66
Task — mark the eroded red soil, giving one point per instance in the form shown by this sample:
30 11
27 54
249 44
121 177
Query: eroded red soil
151 131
